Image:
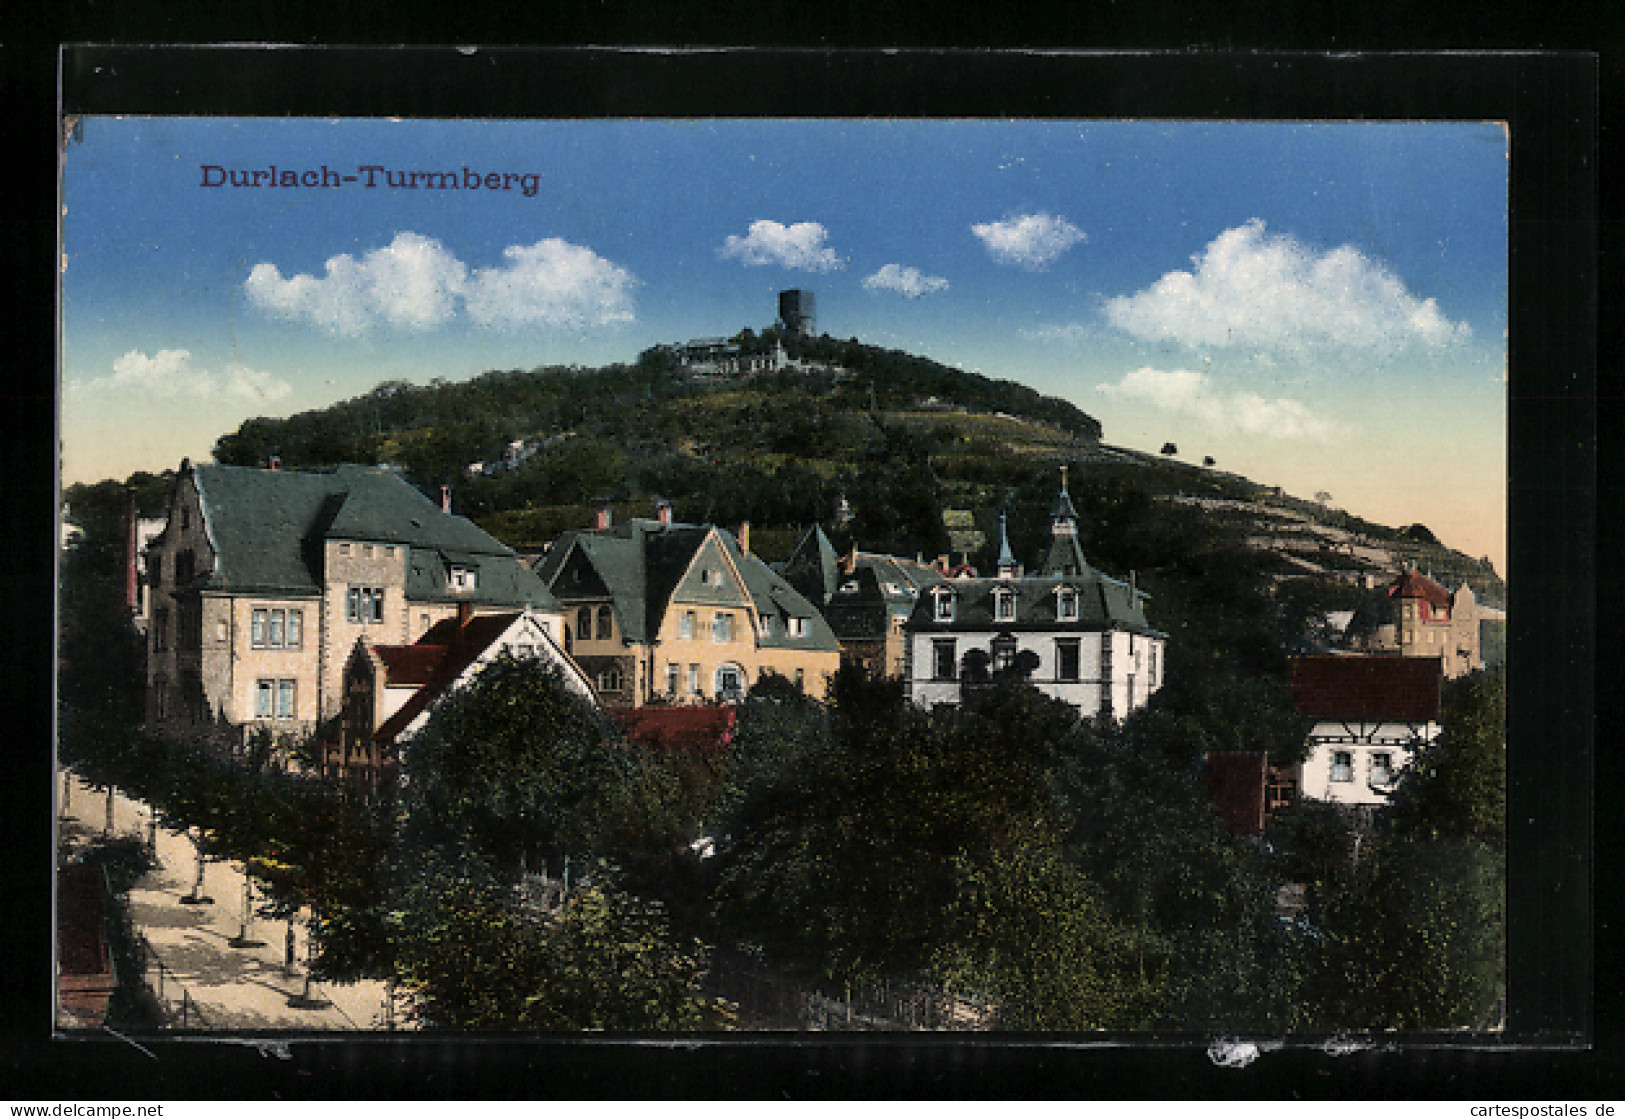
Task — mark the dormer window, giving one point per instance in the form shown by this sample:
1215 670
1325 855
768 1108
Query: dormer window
796 627
461 579
1066 605
1004 606
849 587
944 607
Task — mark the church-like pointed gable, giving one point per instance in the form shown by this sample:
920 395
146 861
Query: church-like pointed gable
813 568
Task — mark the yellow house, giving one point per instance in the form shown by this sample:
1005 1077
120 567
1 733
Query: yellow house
661 611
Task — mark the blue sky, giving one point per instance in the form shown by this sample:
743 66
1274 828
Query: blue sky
1318 306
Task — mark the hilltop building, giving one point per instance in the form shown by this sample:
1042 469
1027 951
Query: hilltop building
1370 714
1415 617
866 598
262 583
798 312
660 611
1079 635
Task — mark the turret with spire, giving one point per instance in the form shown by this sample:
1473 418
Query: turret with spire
1008 567
1065 554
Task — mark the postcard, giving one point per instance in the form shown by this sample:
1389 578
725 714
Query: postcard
686 576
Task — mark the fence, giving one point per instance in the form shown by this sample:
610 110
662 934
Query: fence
176 1006
765 997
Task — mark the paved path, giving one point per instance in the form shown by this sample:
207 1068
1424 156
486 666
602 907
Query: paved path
226 988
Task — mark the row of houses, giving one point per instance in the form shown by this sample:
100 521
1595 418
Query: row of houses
339 605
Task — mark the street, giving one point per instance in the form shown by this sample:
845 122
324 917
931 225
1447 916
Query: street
205 973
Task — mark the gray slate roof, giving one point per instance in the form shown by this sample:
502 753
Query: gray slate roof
1103 603
639 564
268 528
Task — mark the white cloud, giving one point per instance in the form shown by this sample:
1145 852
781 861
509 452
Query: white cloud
905 280
1192 393
799 246
1266 292
412 282
1031 240
415 283
251 384
552 282
171 373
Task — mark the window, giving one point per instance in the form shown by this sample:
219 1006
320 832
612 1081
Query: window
730 682
609 680
764 625
1004 606
1151 678
849 587
671 679
364 605
584 623
943 660
1382 769
1106 657
801 679
185 568
693 679
685 626
1066 606
1067 659
344 549
722 628
945 607
256 630
275 699
796 627
366 550
606 623
1342 765
274 636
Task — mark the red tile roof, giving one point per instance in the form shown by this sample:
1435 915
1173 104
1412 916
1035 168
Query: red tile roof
679 728
1413 584
1234 779
1369 689
410 664
452 646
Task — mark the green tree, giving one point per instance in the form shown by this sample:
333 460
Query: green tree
1414 940
473 957
520 768
1456 785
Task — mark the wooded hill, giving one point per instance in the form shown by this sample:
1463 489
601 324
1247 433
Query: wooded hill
901 437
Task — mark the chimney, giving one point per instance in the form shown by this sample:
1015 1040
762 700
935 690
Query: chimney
744 537
663 511
601 519
445 499
849 562
274 462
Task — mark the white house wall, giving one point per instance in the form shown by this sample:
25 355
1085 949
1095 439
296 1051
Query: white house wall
1362 741
1131 685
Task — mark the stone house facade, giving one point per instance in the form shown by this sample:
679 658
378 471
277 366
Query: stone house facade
263 581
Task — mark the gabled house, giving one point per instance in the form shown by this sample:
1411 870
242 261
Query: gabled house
390 691
1414 616
263 582
866 598
1079 635
1370 716
657 610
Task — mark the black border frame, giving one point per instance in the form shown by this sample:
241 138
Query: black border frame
1551 103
